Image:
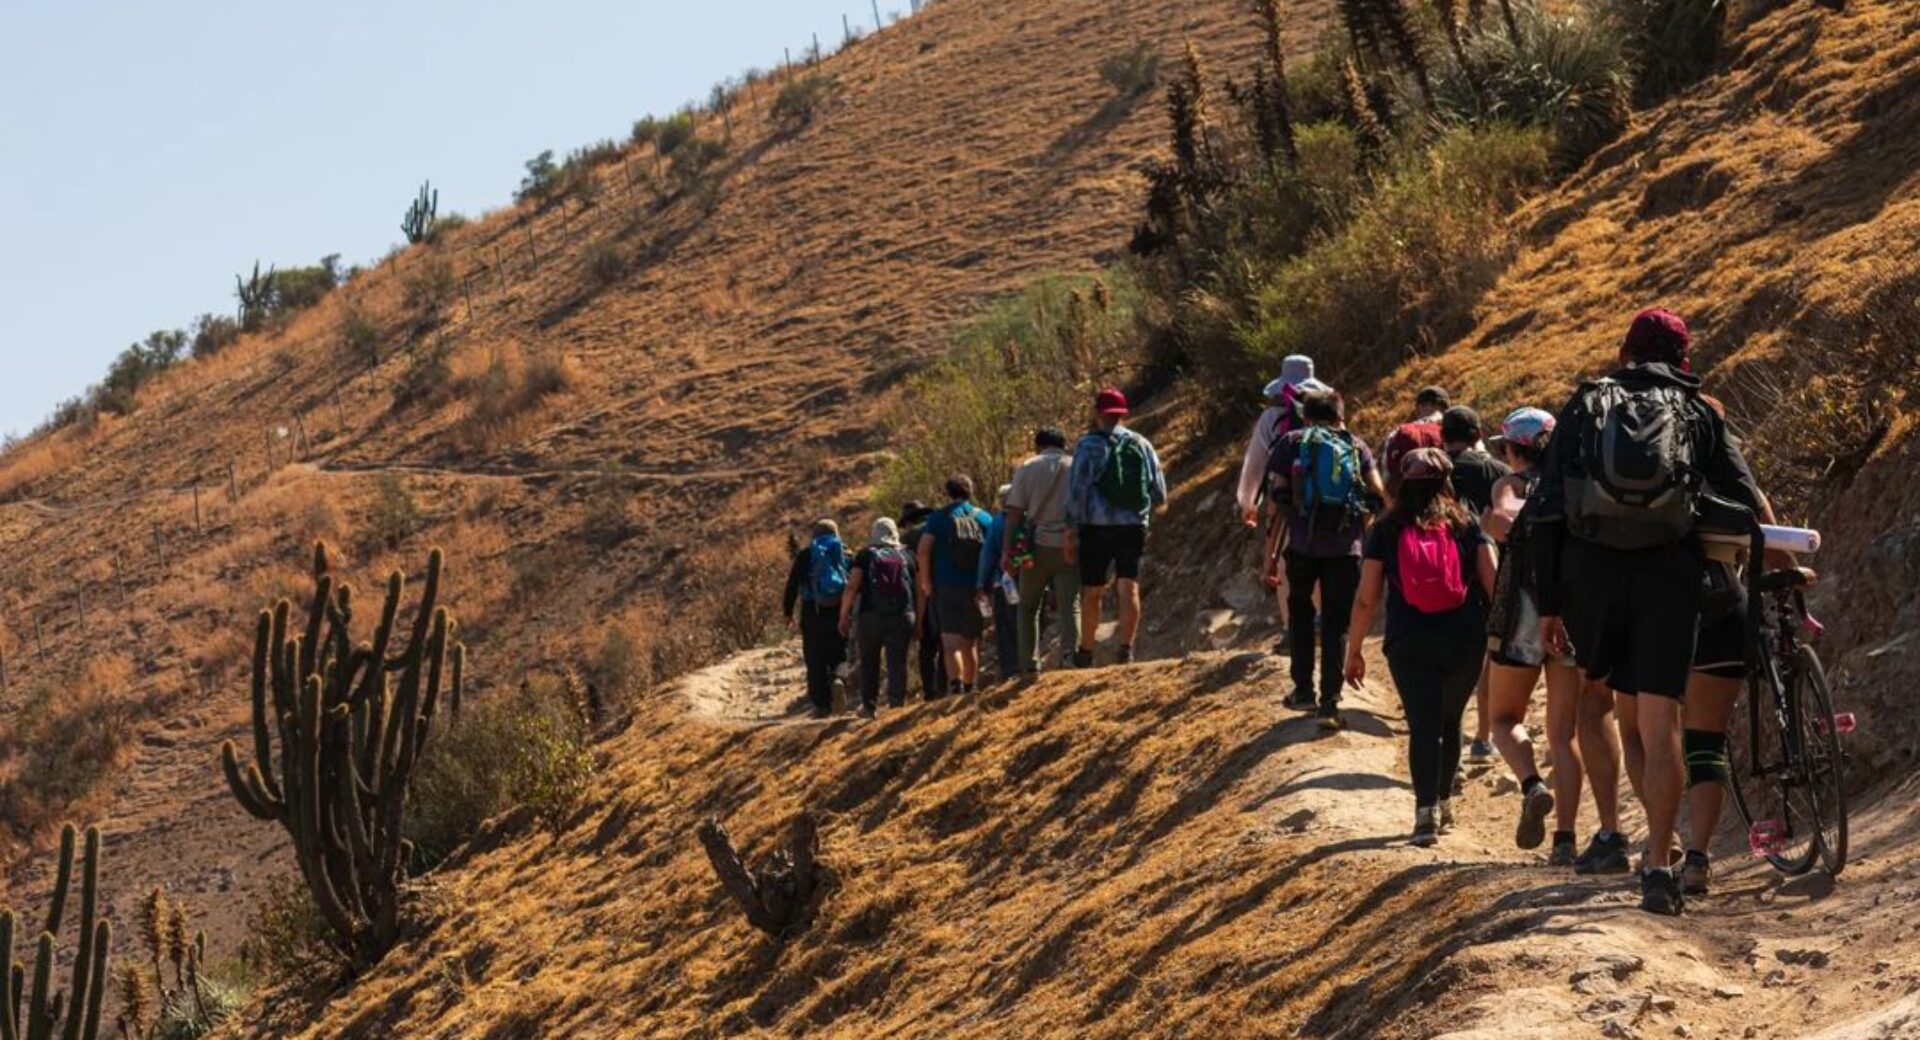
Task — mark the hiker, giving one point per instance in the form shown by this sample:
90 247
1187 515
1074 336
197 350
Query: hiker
1113 489
950 548
1324 484
1039 549
880 594
1281 417
995 586
1474 474
1618 560
930 662
1430 404
1421 430
1436 569
815 584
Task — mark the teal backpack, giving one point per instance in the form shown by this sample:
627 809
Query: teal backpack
1326 477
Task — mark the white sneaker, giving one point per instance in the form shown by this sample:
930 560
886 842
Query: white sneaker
1426 833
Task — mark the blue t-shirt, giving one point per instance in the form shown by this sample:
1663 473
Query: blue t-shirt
946 572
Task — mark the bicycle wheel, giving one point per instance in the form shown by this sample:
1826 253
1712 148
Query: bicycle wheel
1822 790
1765 754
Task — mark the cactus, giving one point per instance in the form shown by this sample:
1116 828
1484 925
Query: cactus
352 721
37 1014
774 897
1274 123
418 223
150 1006
255 295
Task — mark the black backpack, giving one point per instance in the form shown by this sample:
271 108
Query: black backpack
967 540
1632 482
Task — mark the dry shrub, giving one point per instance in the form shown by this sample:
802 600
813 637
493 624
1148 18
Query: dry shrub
63 745
288 940
504 389
35 460
297 505
730 595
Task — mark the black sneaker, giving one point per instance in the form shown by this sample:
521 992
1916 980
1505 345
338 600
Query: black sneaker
1124 656
1300 700
1696 873
1535 805
821 713
866 711
1605 856
1564 851
1330 719
1083 659
1660 893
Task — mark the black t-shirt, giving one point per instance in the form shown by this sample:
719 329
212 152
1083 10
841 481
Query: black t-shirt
1474 474
1403 619
863 562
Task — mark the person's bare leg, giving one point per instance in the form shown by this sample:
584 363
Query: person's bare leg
1505 694
1600 751
1632 743
1091 599
1665 775
1127 591
1563 715
1709 707
1485 717
970 662
951 647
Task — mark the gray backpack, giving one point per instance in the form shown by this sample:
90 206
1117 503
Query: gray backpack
1631 482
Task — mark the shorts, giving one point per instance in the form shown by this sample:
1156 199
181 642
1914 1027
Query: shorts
1110 551
957 609
1634 617
1721 650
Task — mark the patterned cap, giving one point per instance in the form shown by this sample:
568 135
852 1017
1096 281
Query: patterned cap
1527 426
1425 464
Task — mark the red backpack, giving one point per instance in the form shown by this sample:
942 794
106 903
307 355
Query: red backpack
1432 580
1402 441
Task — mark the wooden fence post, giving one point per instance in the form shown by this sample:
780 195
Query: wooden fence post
269 439
80 601
306 443
120 579
339 411
197 527
39 636
846 26
877 24
233 484
500 261
4 684
466 282
532 251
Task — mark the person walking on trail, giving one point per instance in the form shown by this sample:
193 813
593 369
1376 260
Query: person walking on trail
1039 548
1430 404
930 663
1421 430
1281 417
1436 570
880 594
1114 486
999 591
1324 483
815 585
1474 474
950 548
1619 561
1517 661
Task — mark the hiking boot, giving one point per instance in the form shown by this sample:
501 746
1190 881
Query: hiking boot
1604 856
820 713
1300 700
1564 851
1660 893
1124 656
1330 720
1284 647
1083 658
1479 753
1443 816
1535 805
1696 873
1426 832
866 711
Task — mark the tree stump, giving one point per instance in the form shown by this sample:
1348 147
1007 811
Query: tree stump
773 895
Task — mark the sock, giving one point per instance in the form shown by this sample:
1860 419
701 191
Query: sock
1527 785
1563 837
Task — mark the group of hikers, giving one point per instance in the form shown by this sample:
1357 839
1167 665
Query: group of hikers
1559 545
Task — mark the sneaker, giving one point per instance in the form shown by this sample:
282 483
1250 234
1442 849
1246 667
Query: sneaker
1696 873
1443 816
866 711
821 713
1564 851
1284 647
1426 832
1604 856
1479 753
1660 893
1330 720
1083 659
1300 700
1534 807
1124 655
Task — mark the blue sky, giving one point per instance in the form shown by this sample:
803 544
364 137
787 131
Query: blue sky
148 151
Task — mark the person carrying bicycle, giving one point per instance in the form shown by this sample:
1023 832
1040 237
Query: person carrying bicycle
1619 492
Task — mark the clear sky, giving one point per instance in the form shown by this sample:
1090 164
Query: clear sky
148 151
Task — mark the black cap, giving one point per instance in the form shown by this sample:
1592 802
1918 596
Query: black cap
1460 425
1434 395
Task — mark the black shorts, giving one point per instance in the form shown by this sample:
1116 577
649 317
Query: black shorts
1633 616
956 608
1721 650
1108 552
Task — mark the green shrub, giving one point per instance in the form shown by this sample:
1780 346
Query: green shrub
1133 72
617 665
394 514
134 368
1673 42
606 261
693 163
360 336
288 939
795 107
428 377
297 288
665 135
213 333
428 288
442 226
542 177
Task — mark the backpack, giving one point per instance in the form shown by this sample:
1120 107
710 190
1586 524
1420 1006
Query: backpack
1631 483
1403 441
1326 477
967 539
889 590
826 570
1289 418
1432 580
1124 483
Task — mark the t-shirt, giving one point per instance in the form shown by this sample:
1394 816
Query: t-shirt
1305 538
863 562
946 572
1469 622
1040 492
1474 474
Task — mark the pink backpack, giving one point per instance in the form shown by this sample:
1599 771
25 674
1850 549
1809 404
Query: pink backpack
1431 578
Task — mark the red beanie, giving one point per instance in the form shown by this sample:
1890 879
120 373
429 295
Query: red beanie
1658 336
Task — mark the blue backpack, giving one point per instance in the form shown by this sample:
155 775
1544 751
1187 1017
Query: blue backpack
826 570
1326 478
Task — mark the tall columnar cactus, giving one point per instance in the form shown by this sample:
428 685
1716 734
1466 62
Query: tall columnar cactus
351 721
418 222
37 1013
255 295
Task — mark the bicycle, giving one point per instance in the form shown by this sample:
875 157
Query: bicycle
1788 766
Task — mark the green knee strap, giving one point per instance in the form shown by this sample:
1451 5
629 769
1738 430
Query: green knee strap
1707 761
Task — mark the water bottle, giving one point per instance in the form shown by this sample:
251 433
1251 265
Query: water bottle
1010 589
1791 539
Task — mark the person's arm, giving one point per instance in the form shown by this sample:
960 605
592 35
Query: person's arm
984 573
1500 514
1157 479
1486 561
924 552
850 599
1253 469
1080 479
1366 604
796 577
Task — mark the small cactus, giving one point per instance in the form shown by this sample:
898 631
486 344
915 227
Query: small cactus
418 223
38 1013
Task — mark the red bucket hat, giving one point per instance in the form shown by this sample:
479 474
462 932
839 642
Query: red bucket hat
1658 335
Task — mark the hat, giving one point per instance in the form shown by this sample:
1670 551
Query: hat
1425 464
1460 425
1658 336
1110 402
1527 426
1437 395
885 532
913 511
825 527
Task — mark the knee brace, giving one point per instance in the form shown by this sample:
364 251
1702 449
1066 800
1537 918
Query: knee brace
1707 761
